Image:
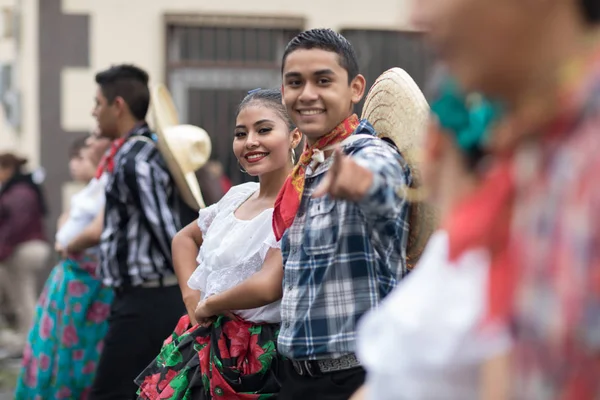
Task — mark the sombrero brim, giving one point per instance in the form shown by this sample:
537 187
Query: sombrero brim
163 109
165 116
187 183
398 110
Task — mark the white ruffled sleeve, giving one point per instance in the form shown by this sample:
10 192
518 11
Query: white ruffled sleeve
270 243
219 215
233 198
206 216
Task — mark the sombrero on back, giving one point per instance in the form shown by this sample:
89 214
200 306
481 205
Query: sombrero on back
398 111
185 148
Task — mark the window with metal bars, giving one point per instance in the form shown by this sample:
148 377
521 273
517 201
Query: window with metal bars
212 62
379 50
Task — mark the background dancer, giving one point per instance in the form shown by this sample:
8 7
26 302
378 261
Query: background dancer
65 342
24 249
143 212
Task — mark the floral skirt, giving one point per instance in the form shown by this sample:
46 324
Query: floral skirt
231 359
64 344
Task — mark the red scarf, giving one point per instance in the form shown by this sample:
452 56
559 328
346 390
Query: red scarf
288 199
483 220
107 163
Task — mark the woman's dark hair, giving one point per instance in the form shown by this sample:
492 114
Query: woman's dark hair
270 98
9 160
590 10
76 147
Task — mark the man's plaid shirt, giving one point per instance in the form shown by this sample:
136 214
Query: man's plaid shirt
342 258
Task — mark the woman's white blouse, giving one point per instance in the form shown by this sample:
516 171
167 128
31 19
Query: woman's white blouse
426 340
233 250
85 206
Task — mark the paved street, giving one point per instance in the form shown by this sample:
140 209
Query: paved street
8 375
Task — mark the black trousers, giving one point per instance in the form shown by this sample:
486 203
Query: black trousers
338 385
140 320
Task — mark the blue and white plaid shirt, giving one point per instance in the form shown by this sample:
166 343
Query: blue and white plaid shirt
342 258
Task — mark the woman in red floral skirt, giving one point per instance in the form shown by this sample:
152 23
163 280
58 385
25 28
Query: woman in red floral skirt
230 271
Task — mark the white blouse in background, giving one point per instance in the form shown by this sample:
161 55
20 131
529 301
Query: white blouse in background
233 250
425 341
85 206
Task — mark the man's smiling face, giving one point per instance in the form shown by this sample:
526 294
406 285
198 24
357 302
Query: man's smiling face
316 91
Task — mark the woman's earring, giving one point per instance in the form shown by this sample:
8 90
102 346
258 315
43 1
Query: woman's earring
293 157
242 168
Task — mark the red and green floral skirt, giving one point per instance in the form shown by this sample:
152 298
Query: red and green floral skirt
231 359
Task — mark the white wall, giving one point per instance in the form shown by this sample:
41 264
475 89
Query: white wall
25 57
117 36
132 31
7 56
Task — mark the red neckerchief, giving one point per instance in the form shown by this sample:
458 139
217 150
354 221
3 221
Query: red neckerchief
483 220
107 163
288 199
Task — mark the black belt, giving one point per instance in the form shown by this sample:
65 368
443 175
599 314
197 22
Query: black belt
315 368
168 281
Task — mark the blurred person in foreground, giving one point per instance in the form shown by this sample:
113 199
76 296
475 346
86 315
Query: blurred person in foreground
24 249
65 342
429 338
541 59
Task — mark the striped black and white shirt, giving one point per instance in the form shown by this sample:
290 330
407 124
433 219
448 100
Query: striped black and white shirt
143 212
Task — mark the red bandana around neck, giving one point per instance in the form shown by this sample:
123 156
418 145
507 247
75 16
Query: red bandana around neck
107 163
483 220
288 199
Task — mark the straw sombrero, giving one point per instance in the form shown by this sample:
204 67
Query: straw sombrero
185 148
398 111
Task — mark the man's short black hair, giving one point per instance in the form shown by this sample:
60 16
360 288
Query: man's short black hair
591 11
328 40
128 82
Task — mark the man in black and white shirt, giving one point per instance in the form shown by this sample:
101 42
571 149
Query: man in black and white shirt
144 210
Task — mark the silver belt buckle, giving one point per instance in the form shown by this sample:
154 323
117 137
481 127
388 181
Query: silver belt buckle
168 281
298 367
302 367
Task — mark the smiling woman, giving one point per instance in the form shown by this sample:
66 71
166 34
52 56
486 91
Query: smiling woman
262 132
231 261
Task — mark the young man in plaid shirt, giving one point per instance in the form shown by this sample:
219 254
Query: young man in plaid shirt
342 222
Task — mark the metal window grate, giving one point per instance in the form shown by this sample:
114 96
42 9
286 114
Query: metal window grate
212 62
200 46
379 51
